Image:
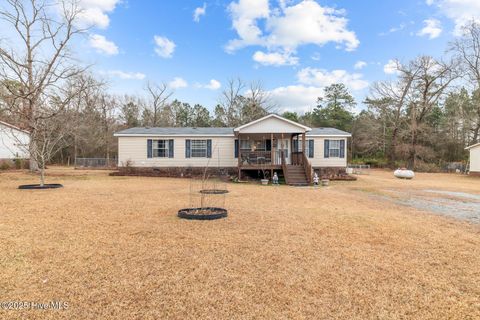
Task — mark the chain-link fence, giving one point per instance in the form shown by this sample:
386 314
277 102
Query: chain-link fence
95 163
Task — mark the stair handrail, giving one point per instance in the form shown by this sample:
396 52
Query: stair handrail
284 165
308 168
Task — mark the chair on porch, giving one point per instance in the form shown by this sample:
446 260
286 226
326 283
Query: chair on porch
252 158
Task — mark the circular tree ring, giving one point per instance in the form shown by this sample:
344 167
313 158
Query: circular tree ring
206 213
213 191
39 187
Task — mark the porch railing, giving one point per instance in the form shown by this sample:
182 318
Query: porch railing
300 159
297 158
256 158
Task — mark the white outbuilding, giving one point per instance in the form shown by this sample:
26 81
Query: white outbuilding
474 159
13 142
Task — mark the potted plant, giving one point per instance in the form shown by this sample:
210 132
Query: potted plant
265 174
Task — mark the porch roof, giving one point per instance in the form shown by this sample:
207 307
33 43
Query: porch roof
272 123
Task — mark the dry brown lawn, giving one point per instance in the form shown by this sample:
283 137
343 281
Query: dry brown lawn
113 248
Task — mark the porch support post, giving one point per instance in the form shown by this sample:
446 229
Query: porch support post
303 142
272 154
239 159
291 147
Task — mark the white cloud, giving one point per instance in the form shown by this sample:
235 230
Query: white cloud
460 11
125 75
164 47
298 98
200 11
394 29
311 82
275 58
323 78
360 65
245 14
102 45
391 67
213 85
285 28
432 29
178 83
95 12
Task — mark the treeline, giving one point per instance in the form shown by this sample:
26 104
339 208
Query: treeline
92 115
422 118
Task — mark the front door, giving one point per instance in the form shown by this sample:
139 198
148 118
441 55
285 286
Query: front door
283 145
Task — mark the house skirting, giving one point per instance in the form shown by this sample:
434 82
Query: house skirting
474 173
175 172
333 173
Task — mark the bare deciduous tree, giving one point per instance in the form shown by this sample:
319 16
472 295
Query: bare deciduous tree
390 100
432 80
467 51
35 66
159 95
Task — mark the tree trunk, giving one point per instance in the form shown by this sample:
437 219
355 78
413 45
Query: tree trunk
42 176
33 163
413 151
393 147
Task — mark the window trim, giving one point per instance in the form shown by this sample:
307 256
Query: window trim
330 149
156 148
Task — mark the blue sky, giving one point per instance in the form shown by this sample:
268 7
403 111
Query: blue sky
294 47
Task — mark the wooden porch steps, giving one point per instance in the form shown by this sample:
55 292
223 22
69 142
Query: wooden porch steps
296 175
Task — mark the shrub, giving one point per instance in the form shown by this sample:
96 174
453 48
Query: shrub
4 165
373 162
19 163
421 166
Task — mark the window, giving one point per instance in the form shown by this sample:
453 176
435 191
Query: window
160 148
199 148
334 149
245 145
253 145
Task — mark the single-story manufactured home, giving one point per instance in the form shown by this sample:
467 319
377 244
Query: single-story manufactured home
13 142
270 144
474 159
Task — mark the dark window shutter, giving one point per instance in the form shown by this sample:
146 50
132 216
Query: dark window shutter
295 146
209 148
326 148
236 148
342 148
171 146
268 145
187 148
149 148
311 146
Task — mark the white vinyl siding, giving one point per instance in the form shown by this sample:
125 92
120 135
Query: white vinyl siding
475 159
13 143
319 159
135 150
223 152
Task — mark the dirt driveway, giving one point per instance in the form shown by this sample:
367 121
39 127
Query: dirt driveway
450 195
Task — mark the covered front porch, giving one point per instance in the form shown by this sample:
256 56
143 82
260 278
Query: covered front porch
271 144
272 150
